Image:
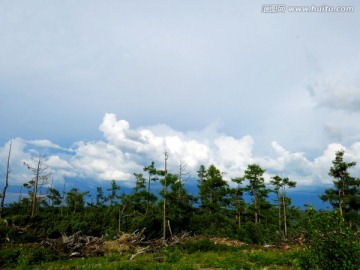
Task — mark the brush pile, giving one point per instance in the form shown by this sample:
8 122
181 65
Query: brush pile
76 245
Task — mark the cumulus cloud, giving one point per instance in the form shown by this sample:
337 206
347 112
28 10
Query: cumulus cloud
145 143
336 95
126 150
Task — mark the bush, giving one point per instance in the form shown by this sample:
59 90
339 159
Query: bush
204 245
9 256
331 243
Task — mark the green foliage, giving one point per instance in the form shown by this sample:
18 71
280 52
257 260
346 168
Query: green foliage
203 245
9 257
331 243
221 212
26 255
256 233
75 200
213 191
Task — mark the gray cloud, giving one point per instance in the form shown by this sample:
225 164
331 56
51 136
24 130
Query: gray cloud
336 96
333 132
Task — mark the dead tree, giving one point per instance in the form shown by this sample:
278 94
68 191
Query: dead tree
183 176
40 178
164 206
8 170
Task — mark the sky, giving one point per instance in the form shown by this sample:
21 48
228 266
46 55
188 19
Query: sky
104 87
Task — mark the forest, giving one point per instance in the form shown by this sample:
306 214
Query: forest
179 223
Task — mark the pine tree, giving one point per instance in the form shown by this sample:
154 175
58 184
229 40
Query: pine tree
346 192
281 186
237 197
213 190
112 195
256 188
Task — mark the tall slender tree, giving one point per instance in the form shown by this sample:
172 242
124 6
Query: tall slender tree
281 186
152 173
286 184
164 191
113 190
256 187
237 195
276 182
8 170
100 198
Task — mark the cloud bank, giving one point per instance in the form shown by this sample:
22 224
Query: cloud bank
126 150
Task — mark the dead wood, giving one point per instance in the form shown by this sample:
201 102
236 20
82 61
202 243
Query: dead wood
76 245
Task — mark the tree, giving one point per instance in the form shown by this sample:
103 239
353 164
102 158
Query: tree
113 189
40 178
178 203
75 199
151 172
237 196
141 197
8 170
182 174
213 190
346 192
202 175
281 186
100 198
276 182
55 197
256 187
164 194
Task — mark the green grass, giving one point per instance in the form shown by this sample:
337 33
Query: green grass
180 260
194 254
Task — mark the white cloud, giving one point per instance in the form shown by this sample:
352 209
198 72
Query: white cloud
45 144
128 150
56 162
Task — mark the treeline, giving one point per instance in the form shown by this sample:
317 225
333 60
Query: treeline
219 208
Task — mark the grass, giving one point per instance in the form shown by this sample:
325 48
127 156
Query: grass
179 260
200 254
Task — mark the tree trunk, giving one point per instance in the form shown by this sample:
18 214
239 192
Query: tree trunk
340 203
256 209
33 206
164 206
6 183
284 209
279 208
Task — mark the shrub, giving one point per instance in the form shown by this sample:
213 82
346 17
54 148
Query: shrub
33 255
201 245
331 243
9 256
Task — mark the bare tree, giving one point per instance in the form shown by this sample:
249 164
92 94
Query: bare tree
8 170
164 189
40 178
183 176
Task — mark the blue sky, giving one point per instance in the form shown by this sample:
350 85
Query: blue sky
103 87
